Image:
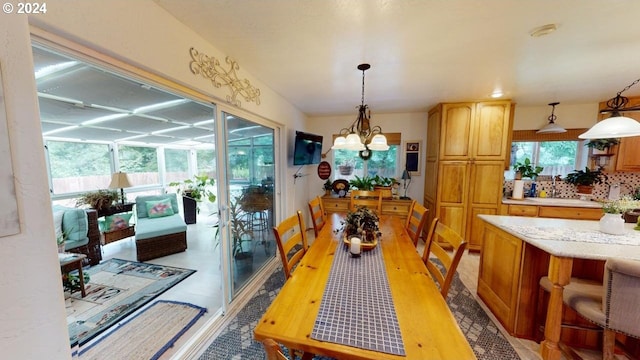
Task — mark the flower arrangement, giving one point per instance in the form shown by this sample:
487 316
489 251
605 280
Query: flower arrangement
620 206
362 222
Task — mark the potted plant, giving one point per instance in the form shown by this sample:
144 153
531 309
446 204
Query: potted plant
525 169
99 200
602 146
384 184
327 187
585 179
362 183
240 233
194 191
346 168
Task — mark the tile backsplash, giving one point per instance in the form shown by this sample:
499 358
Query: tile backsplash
628 183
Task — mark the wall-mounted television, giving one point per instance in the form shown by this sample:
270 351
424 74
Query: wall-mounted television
307 149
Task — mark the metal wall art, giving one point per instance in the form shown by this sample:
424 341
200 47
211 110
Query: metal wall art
209 67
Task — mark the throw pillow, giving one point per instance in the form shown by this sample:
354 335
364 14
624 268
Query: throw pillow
117 221
159 208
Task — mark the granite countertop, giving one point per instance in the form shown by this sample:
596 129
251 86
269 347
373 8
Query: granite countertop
564 202
570 238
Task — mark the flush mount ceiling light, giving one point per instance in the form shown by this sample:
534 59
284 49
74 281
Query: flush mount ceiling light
360 136
543 30
616 126
552 127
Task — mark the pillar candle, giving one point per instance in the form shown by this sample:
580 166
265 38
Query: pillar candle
355 246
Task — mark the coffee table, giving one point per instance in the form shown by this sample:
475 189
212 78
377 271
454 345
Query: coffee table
70 262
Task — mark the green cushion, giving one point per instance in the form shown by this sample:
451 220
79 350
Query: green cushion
149 228
74 223
159 208
141 203
117 221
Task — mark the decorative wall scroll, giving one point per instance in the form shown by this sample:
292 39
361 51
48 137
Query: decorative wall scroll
209 67
412 150
9 221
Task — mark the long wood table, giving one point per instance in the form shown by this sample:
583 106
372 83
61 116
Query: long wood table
428 328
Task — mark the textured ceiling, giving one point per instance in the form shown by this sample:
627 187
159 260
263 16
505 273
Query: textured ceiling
424 51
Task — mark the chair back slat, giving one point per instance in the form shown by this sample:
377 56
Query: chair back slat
450 262
289 233
416 219
316 209
366 198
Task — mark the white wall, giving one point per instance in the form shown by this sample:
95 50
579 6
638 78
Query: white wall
569 116
32 314
413 126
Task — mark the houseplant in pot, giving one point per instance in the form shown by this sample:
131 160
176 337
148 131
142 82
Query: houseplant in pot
240 233
194 191
327 187
361 183
99 199
584 180
525 169
601 146
384 184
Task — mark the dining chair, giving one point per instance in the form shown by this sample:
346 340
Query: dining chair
316 209
416 219
439 232
273 351
611 305
289 233
366 198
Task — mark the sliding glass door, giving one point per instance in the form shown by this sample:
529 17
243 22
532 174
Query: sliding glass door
249 212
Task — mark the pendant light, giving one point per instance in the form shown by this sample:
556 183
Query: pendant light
360 136
616 126
552 127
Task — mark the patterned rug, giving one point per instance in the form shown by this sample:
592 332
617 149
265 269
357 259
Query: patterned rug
148 334
236 341
116 289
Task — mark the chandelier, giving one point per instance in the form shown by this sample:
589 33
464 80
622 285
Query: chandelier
361 136
616 126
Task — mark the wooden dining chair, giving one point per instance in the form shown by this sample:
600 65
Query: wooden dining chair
439 232
416 219
366 198
289 233
316 209
611 305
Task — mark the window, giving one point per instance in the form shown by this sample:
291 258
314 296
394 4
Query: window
78 167
348 164
176 164
556 157
140 163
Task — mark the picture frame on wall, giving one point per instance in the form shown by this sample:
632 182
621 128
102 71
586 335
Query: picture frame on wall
412 156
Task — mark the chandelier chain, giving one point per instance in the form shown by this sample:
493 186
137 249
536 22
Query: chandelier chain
628 87
363 87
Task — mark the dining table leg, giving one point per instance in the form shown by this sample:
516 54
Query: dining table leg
560 276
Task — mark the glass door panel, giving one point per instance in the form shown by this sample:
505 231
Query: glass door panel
250 181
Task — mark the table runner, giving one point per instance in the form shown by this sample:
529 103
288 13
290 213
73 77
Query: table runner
572 234
357 309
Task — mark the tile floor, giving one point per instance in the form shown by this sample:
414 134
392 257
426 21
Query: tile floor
204 288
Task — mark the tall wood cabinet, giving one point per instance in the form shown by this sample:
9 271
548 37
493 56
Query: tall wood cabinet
467 147
626 153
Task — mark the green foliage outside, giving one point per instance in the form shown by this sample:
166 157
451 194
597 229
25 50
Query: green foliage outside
66 161
137 159
551 153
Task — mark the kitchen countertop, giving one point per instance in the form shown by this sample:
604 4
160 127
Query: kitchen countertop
570 238
565 202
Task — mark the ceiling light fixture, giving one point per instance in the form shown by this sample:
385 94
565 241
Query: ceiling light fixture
552 127
543 30
616 126
360 136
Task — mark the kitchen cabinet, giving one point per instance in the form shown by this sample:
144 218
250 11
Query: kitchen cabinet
558 212
625 156
467 146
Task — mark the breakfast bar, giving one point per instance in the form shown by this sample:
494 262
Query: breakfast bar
517 251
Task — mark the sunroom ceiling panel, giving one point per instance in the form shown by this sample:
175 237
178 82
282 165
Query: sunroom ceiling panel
92 86
188 113
189 132
60 111
88 133
138 124
155 139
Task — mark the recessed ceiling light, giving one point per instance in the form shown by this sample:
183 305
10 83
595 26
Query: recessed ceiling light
543 30
496 94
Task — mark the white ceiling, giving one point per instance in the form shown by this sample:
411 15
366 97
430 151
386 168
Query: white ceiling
424 51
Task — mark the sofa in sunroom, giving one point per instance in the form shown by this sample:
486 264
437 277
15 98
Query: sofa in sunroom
160 229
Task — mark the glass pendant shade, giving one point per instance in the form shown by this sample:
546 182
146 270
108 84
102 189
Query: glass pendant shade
339 143
354 142
614 127
379 143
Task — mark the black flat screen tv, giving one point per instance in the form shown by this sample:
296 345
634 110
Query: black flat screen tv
307 149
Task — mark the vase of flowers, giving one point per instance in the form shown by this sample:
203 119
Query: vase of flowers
612 222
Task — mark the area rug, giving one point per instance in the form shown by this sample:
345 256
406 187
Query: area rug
148 334
236 341
116 289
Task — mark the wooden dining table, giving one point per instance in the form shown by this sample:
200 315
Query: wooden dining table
428 328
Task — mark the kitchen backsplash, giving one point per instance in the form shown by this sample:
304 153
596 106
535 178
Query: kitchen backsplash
628 183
